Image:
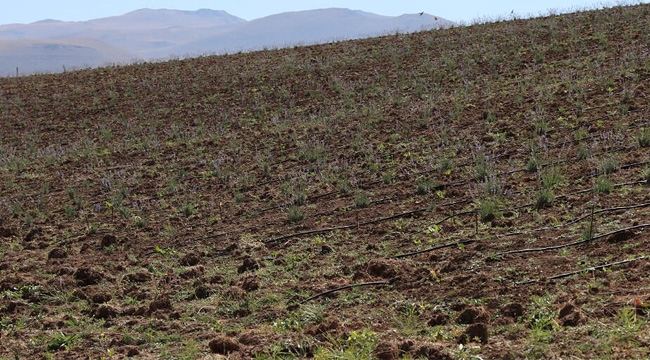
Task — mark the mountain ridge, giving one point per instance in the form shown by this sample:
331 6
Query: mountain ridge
158 34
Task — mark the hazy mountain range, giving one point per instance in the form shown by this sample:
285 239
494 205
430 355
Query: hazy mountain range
147 34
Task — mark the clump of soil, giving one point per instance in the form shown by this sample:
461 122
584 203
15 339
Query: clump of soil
249 264
106 312
141 276
224 345
472 315
193 272
386 350
250 283
571 315
87 275
478 331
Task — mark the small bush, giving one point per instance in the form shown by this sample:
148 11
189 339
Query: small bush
489 209
424 187
299 198
296 214
492 186
609 165
387 178
582 152
481 168
188 210
545 198
532 165
551 178
644 137
361 200
645 175
603 185
588 232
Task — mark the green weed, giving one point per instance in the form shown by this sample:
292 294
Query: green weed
603 185
544 198
295 214
644 137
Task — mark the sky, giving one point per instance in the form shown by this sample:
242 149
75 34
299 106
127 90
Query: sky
465 11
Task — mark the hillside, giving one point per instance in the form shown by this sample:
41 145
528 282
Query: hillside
474 192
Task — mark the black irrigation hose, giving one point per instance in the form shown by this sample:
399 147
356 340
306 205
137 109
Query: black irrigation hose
590 269
374 283
457 243
556 247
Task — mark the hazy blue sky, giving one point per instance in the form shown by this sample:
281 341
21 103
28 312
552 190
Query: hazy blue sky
26 11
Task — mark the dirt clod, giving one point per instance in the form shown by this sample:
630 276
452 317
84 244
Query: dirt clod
571 315
513 310
108 240
141 276
202 292
329 326
161 303
190 259
438 319
101 297
223 345
106 312
86 275
193 272
31 235
473 315
250 283
382 268
57 253
249 264
386 350
474 332
6 232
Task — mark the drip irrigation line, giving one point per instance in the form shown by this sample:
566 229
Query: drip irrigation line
590 214
374 283
457 243
556 247
590 269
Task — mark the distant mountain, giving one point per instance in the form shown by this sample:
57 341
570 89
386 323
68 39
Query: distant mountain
148 34
49 56
308 27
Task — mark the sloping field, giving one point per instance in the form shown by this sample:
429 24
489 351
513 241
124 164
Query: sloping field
476 192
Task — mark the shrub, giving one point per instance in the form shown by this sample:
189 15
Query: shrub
551 178
609 165
582 152
603 185
489 209
425 187
361 200
545 198
644 137
645 175
296 214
